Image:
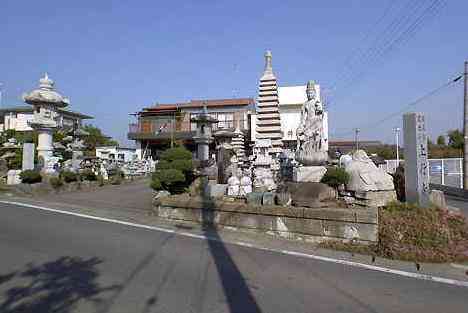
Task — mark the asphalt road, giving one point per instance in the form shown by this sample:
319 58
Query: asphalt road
459 203
52 262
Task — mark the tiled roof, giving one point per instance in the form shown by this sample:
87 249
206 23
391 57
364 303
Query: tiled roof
200 103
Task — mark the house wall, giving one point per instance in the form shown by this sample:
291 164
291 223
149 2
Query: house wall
113 153
19 121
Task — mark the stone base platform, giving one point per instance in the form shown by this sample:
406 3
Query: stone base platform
374 198
308 174
296 223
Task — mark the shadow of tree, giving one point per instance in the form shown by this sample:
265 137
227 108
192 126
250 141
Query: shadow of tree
52 287
238 295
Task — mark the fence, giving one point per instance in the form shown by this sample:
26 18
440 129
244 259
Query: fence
448 172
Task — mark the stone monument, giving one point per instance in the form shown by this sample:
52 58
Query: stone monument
416 165
45 101
370 185
224 154
312 138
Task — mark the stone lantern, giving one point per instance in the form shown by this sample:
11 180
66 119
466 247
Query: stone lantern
45 101
204 134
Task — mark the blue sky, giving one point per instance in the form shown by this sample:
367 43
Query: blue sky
112 58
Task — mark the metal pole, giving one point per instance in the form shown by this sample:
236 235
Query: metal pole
465 128
397 141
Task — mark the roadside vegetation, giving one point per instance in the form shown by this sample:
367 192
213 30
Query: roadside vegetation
411 233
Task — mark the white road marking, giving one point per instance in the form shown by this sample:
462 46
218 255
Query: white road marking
438 279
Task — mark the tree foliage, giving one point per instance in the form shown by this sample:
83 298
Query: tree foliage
97 138
441 140
335 176
174 171
456 140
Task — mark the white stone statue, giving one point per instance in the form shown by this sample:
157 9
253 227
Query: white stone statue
365 175
103 172
264 179
311 134
245 184
233 186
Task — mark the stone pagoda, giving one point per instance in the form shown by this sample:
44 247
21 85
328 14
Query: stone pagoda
45 101
268 141
268 123
237 143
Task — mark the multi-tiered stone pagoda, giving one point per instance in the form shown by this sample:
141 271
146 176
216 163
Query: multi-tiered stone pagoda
268 141
268 125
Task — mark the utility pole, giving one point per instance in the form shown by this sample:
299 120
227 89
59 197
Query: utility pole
465 128
1 94
397 142
356 138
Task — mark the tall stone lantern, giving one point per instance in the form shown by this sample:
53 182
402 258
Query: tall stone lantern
204 135
45 101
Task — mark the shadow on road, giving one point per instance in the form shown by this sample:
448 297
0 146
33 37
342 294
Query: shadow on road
236 290
52 287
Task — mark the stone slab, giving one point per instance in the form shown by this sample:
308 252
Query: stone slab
310 194
268 198
311 174
416 163
216 190
28 156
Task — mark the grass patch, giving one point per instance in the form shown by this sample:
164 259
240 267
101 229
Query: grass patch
411 233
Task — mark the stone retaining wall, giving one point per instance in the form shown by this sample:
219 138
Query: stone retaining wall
298 223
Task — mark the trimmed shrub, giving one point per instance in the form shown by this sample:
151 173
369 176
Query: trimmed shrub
174 172
88 175
56 182
30 177
335 176
68 176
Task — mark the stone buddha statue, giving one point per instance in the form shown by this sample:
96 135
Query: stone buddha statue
311 149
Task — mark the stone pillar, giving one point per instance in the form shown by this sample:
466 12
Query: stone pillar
416 164
44 147
203 149
28 156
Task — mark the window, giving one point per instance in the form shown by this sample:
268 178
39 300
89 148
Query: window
121 156
225 120
112 156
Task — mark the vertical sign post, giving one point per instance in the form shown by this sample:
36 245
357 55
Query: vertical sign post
416 164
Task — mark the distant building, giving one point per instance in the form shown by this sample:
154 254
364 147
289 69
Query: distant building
17 118
158 125
115 154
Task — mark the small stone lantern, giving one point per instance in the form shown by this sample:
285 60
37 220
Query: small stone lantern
204 134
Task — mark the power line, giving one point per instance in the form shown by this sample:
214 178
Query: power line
401 39
403 17
409 20
404 109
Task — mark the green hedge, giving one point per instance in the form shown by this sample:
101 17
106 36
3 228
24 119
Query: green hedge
30 177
